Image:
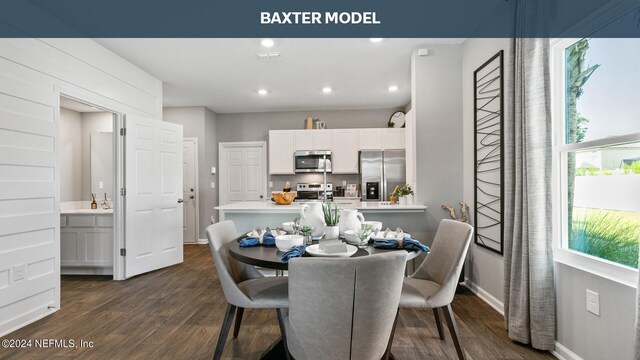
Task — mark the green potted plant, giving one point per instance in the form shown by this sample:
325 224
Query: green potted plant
305 231
403 193
331 217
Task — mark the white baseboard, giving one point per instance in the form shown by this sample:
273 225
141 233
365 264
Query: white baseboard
563 353
496 304
203 241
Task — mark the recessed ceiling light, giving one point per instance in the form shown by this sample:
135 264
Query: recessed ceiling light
375 40
393 88
267 43
326 90
262 91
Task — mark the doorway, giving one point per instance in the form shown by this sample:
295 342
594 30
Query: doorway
87 188
190 191
243 171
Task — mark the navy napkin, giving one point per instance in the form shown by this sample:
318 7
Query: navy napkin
407 244
297 251
267 239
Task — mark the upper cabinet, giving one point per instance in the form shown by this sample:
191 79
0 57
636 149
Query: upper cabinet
312 139
393 139
344 151
281 148
370 139
343 143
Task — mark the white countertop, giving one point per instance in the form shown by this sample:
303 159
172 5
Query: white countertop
271 207
82 208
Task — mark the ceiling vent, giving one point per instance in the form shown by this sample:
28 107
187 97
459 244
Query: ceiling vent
268 55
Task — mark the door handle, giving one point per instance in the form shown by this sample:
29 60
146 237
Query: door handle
192 197
180 201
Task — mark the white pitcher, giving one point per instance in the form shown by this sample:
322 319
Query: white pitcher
350 219
311 215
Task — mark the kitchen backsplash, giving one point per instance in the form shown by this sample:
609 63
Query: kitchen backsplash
279 180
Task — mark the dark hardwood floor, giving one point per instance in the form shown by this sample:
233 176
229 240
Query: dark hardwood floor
175 313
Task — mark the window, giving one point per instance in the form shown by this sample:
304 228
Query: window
597 149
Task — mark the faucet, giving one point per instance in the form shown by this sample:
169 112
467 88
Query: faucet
105 203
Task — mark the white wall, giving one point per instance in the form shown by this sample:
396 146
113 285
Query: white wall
579 333
70 159
32 74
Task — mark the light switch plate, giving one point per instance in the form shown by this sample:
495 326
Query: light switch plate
18 272
593 302
101 185
213 170
270 184
344 182
213 185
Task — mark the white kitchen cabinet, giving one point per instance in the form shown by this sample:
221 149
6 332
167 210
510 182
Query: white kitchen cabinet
370 139
312 140
321 139
281 148
86 244
393 139
303 140
344 148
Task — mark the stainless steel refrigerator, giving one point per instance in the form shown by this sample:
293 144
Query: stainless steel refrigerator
381 172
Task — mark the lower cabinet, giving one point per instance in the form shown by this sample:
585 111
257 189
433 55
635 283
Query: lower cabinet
86 244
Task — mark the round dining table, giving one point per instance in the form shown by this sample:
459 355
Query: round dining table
270 257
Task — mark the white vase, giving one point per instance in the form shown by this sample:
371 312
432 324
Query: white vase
350 219
402 200
332 232
311 215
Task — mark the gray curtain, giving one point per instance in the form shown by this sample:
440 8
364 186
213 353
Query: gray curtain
529 305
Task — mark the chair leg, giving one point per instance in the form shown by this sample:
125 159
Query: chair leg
280 313
436 315
224 331
453 329
236 328
387 353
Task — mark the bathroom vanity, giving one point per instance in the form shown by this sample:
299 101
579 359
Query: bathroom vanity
86 240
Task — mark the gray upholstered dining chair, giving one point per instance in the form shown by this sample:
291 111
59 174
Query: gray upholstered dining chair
343 308
243 285
433 284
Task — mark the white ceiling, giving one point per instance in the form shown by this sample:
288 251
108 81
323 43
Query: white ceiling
226 74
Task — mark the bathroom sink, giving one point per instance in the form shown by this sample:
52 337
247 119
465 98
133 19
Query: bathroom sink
88 211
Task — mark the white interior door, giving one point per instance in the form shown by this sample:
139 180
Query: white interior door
243 175
153 182
190 190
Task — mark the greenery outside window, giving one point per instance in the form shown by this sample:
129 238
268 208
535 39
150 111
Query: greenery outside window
597 148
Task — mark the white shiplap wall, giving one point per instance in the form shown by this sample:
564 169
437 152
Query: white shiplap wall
33 73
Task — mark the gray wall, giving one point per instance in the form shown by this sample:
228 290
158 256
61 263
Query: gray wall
91 122
608 336
436 100
199 122
70 150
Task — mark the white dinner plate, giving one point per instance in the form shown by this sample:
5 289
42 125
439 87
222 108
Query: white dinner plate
391 236
314 250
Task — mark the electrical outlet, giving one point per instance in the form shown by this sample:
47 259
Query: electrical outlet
270 184
213 220
18 272
593 302
344 182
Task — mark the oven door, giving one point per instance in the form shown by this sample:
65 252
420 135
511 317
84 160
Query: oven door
312 161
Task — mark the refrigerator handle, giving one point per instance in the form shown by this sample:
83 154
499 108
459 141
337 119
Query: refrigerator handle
383 195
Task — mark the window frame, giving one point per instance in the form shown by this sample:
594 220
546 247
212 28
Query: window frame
561 253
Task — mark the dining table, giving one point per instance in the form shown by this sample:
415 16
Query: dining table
269 257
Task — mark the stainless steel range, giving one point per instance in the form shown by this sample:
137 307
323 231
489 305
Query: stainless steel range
314 192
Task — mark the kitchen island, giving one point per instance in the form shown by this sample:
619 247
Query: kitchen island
246 215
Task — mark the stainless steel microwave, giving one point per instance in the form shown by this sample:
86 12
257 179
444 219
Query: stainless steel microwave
312 161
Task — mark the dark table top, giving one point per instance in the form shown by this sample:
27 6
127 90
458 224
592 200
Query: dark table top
271 258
